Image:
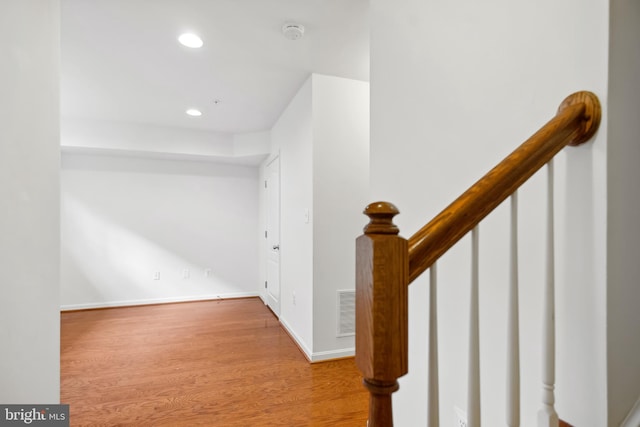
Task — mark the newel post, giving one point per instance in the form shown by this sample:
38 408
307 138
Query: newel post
382 280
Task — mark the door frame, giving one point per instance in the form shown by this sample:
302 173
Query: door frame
270 299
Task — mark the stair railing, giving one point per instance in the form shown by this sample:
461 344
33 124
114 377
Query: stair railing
387 263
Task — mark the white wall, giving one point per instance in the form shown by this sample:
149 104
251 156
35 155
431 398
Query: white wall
146 140
455 86
623 245
252 143
143 137
126 218
292 138
29 186
322 139
340 191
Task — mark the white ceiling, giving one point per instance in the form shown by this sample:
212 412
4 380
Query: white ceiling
121 59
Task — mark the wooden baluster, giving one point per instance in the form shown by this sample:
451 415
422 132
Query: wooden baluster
513 326
382 323
547 416
433 402
473 388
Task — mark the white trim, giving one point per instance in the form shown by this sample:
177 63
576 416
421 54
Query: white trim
318 356
333 354
148 301
248 160
301 344
263 299
270 158
633 419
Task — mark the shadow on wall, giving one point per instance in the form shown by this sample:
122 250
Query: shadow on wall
131 238
105 263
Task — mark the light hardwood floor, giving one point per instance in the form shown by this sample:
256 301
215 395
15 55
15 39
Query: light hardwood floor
215 363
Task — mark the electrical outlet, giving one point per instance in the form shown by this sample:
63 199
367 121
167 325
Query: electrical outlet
207 272
294 298
156 275
185 273
461 417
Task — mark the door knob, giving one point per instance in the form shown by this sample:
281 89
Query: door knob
276 247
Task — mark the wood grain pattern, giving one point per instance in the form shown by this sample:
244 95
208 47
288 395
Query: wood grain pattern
214 363
577 120
381 310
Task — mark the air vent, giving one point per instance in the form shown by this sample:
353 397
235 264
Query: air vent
346 313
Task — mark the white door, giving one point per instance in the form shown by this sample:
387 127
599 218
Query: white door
272 235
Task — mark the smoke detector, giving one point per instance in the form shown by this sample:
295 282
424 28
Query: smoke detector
293 31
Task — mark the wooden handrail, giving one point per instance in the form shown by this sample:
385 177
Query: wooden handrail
386 263
576 121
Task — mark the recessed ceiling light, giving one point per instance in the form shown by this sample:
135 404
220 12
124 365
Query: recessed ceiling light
193 112
190 40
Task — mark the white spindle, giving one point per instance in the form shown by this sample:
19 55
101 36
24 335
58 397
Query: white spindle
433 412
547 416
473 388
513 328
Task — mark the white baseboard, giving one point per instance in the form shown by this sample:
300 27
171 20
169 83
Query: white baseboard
319 356
263 298
169 300
301 344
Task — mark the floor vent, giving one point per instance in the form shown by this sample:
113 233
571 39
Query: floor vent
346 313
